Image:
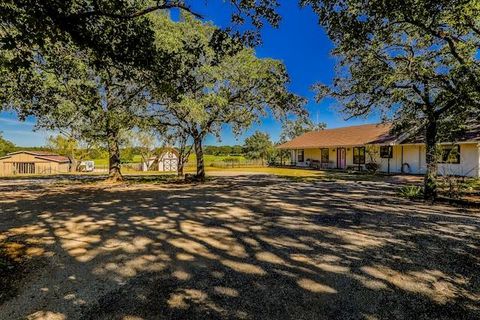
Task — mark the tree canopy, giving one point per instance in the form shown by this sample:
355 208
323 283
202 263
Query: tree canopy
415 61
119 30
5 146
208 80
296 127
218 87
70 91
259 146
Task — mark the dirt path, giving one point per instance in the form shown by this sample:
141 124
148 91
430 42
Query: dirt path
243 247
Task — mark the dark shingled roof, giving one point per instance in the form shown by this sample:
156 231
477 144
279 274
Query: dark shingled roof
346 136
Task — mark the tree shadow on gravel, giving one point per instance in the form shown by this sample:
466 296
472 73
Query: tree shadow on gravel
251 247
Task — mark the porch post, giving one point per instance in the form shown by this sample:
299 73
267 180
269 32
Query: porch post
478 171
401 162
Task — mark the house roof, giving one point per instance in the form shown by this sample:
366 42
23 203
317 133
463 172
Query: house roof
339 137
471 134
44 155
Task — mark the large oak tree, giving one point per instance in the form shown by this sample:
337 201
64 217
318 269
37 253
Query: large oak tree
416 61
226 85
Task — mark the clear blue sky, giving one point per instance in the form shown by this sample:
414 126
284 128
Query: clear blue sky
299 42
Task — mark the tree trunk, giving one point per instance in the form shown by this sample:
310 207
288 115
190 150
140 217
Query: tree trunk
73 165
430 181
200 161
181 164
114 174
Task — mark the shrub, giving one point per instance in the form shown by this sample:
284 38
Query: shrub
454 186
372 167
411 192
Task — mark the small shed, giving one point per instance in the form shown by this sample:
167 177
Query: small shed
166 161
33 162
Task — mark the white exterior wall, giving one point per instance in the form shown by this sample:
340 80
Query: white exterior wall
395 162
469 162
414 155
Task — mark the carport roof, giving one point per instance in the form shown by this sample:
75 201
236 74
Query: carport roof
339 137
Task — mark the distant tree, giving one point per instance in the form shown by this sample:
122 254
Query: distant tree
223 150
295 128
415 61
259 147
69 146
146 144
237 150
5 146
181 140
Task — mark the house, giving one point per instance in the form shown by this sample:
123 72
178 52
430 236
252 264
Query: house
33 162
355 146
166 161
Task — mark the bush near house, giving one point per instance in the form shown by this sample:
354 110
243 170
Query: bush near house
411 192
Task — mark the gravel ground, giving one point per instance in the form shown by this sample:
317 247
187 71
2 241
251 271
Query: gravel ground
240 247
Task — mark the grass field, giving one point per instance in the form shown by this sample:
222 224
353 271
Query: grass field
288 172
209 160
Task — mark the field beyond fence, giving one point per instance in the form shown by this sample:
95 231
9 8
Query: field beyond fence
211 161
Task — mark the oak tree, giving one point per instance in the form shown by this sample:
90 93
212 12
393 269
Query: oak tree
416 61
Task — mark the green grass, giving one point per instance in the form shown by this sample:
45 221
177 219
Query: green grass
209 160
100 162
298 174
292 172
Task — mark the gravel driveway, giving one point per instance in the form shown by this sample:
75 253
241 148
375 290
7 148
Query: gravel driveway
243 247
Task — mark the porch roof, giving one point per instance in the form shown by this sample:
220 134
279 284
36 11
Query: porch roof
340 137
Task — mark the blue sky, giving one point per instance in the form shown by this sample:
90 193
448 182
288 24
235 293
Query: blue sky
299 42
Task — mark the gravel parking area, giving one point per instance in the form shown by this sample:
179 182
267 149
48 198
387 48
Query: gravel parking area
238 247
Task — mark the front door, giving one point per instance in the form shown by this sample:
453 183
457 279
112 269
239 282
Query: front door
341 158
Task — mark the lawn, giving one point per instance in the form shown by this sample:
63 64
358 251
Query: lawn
209 160
242 247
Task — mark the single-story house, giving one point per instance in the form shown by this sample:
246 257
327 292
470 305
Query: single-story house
166 161
33 162
355 146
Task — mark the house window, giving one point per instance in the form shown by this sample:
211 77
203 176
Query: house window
24 167
300 156
359 155
325 155
386 152
450 154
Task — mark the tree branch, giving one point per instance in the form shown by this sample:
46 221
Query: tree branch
145 11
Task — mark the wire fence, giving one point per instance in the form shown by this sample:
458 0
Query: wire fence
230 164
191 166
